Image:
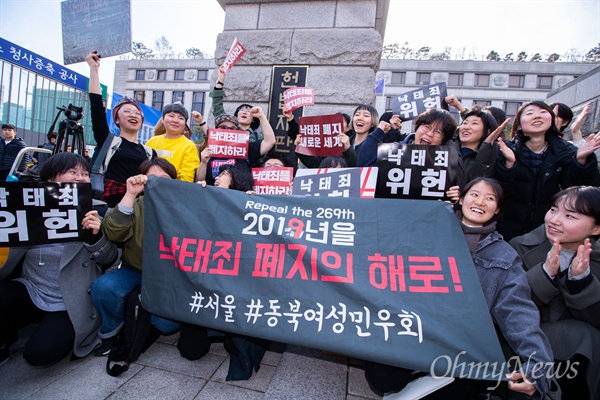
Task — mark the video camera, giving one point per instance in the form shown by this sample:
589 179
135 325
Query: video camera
70 131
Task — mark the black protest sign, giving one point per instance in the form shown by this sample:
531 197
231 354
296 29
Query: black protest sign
33 213
336 182
410 104
102 25
385 280
285 77
413 171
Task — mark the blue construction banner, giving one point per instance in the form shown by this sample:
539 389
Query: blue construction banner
34 213
41 65
377 279
151 117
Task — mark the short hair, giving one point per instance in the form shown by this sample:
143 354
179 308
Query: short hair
374 115
583 199
432 115
241 178
272 154
60 163
494 184
498 114
489 123
516 128
52 135
9 126
333 162
160 163
564 112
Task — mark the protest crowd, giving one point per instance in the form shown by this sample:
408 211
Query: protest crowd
526 200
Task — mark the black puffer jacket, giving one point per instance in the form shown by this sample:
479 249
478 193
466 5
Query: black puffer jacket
8 154
527 196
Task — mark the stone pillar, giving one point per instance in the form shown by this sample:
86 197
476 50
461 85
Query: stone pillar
340 41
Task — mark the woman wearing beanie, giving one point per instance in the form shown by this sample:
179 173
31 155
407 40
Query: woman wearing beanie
126 153
173 146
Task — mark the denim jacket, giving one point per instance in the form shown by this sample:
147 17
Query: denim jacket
507 294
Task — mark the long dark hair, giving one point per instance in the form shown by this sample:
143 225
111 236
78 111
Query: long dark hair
516 128
583 199
489 123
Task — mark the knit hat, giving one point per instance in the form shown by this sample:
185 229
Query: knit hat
126 100
176 108
227 118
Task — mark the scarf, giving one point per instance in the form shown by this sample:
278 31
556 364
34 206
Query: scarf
474 234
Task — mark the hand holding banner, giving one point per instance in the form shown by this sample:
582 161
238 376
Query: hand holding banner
235 53
321 135
298 97
228 143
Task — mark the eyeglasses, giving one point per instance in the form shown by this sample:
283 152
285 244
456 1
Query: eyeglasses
224 172
129 112
428 128
230 127
73 174
269 165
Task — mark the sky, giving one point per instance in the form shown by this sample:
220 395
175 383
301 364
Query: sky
467 26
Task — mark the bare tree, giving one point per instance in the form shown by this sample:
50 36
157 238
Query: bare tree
445 55
391 51
423 53
141 52
163 48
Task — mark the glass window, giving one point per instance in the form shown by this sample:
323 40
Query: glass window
162 75
423 78
398 78
157 100
511 108
516 81
482 103
140 74
544 82
202 75
177 96
140 96
388 103
197 105
482 80
179 74
455 79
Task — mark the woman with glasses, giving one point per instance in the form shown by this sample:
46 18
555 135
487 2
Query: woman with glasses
125 153
52 286
209 165
536 164
434 126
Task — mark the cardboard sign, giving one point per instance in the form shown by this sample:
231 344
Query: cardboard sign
336 182
295 98
321 135
95 25
413 171
390 281
409 105
235 53
226 143
33 213
273 180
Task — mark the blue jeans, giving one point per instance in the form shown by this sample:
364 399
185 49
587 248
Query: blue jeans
109 293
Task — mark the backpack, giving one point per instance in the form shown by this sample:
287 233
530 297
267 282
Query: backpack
135 337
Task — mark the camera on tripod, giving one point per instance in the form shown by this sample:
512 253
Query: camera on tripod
70 131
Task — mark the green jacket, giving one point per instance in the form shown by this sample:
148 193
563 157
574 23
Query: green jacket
129 230
218 109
